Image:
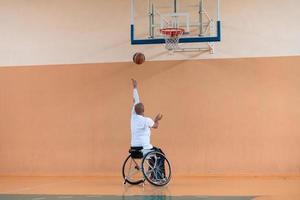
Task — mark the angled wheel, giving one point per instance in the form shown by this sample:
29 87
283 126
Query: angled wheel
156 168
132 172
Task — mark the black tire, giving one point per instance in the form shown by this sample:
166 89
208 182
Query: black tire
167 166
126 180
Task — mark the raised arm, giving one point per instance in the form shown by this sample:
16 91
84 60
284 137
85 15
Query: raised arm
136 98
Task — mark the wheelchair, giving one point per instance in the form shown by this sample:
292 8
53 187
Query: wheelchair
153 167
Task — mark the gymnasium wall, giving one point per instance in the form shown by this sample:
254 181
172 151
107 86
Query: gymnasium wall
36 32
221 116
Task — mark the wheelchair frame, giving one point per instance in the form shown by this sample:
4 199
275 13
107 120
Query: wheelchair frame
153 174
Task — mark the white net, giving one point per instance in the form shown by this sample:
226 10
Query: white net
172 36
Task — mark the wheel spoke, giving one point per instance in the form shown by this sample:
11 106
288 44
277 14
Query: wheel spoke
159 173
155 161
149 171
155 174
159 165
149 165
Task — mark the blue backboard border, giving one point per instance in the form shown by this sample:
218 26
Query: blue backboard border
216 38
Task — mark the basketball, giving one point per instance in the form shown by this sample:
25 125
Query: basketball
138 58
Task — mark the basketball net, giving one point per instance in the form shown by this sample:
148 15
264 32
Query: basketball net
172 36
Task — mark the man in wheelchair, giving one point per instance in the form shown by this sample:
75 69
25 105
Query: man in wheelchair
141 125
144 162
141 128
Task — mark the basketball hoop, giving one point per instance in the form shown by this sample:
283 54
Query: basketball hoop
172 36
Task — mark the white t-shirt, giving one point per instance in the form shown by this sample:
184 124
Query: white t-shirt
140 127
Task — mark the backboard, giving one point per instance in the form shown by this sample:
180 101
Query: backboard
200 20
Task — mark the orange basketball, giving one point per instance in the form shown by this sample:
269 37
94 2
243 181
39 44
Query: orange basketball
138 58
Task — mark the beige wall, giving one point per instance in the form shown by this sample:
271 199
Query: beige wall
91 31
221 117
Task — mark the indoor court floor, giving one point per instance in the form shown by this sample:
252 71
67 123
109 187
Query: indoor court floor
220 81
112 188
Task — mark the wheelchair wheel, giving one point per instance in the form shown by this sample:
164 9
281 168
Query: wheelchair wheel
132 172
156 168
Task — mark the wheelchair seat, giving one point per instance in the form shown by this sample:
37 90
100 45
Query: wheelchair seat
136 152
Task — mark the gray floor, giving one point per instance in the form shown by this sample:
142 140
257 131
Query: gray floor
94 197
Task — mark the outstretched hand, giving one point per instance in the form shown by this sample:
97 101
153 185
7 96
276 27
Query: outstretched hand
158 117
134 83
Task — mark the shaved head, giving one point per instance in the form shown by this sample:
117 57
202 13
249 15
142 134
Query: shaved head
139 109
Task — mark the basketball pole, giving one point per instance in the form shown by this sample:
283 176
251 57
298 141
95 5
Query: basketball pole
218 10
175 6
151 18
201 11
132 12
